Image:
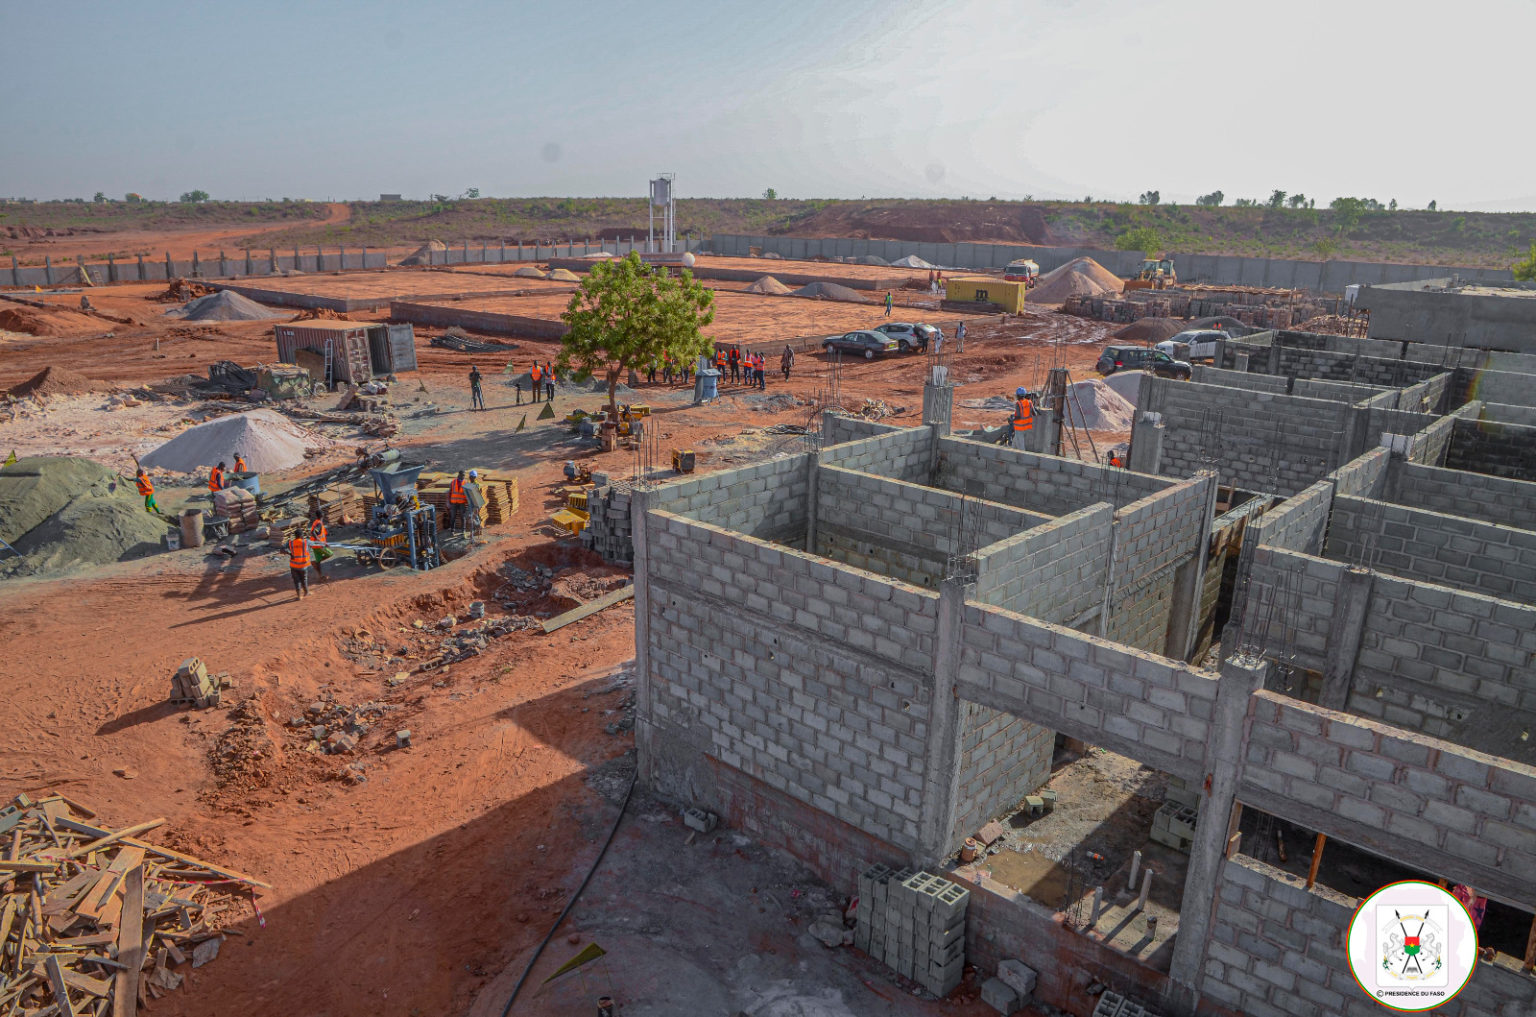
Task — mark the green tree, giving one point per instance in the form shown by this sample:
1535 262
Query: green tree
1150 197
1246 203
1347 211
1392 205
626 313
472 192
1327 247
1432 207
100 198
1212 200
194 196
1525 271
133 197
1143 238
1276 198
771 195
1298 201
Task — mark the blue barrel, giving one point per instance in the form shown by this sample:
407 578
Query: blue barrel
248 481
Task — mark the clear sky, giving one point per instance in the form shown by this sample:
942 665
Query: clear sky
1051 98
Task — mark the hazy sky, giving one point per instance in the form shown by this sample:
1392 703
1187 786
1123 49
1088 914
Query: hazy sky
1051 98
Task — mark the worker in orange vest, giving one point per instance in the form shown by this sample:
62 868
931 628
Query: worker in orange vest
761 368
147 489
299 560
535 374
458 503
1023 417
216 478
239 463
549 380
319 535
1116 460
720 358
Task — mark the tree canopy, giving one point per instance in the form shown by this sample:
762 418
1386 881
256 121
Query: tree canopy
626 314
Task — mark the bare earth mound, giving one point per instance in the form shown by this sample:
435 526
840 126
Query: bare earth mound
564 275
47 321
56 381
529 272
225 305
830 291
1150 330
768 284
266 439
1078 276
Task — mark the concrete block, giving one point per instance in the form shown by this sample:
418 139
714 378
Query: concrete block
1018 976
999 995
700 820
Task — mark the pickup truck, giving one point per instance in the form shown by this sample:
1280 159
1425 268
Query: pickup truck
1195 344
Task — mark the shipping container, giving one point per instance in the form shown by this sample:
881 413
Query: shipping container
360 350
976 289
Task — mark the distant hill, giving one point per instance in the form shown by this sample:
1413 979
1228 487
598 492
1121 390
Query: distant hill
1483 239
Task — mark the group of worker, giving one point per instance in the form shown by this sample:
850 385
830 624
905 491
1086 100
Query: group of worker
218 480
460 515
740 366
541 378
670 370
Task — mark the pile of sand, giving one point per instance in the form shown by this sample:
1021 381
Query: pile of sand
1127 385
872 259
56 381
529 272
563 275
1149 330
912 261
1098 407
46 320
225 305
267 439
423 254
768 284
66 512
830 291
1080 276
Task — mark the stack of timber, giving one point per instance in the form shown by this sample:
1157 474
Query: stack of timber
94 921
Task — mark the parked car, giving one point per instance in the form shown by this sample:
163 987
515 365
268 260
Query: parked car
1139 358
865 341
1194 344
910 337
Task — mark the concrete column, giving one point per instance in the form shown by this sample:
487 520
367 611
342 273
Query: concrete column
223 265
272 260
48 268
1240 361
142 274
812 500
341 265
1274 355
1146 453
248 266
111 269
365 257
170 267
639 502
1188 581
503 256
1241 677
197 268
1351 602
1355 438
16 270
938 405
941 770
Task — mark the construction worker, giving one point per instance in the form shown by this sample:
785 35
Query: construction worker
534 374
786 360
1116 460
147 489
299 560
762 371
318 535
239 463
473 513
889 300
216 478
735 365
476 397
720 360
549 380
1023 417
960 338
650 371
458 502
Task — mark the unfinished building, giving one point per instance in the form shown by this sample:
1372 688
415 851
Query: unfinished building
866 652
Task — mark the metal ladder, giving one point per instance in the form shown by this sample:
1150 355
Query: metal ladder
330 363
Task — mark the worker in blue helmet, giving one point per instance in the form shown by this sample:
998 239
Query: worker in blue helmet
1023 417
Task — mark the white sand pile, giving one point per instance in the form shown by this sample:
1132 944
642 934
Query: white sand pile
768 284
1101 407
1126 384
529 272
268 441
873 259
912 261
225 305
423 254
830 291
1080 276
564 275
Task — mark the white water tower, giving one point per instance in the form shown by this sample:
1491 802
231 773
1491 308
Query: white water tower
661 235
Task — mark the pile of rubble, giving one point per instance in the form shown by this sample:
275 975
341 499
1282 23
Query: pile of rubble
93 920
335 728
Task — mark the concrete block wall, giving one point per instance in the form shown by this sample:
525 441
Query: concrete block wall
1381 422
1289 607
1428 395
1504 413
1491 386
906 531
1299 523
1055 572
1467 554
810 676
769 500
1365 477
1459 493
1138 704
1153 537
1277 950
1351 345
901 454
1256 440
1348 367
1501 450
1002 758
837 428
1456 812
1432 445
1209 375
1040 483
1338 391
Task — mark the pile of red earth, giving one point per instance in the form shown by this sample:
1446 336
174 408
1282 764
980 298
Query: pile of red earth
1150 330
56 381
179 292
325 313
1080 276
46 321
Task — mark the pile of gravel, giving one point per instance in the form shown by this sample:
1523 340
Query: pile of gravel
768 284
830 291
266 439
67 512
225 305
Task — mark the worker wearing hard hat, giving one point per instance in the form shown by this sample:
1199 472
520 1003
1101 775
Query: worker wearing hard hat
1023 417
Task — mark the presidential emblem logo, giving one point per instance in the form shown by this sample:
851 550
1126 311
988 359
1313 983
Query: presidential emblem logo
1411 946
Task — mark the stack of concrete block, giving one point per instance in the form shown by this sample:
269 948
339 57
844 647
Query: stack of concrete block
1174 822
1115 1005
1011 989
192 685
914 923
610 532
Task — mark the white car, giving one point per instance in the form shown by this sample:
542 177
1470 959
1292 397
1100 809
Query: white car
1195 344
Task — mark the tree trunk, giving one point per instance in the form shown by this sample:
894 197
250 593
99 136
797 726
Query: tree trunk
613 393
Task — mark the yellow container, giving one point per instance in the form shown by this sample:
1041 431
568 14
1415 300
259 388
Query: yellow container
1007 295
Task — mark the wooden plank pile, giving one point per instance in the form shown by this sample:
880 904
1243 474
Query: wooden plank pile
93 921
